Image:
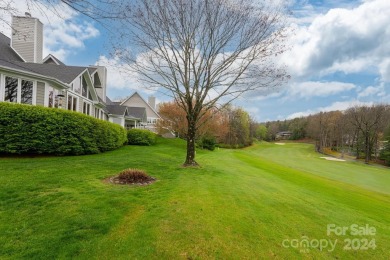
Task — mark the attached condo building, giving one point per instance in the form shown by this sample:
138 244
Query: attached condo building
28 78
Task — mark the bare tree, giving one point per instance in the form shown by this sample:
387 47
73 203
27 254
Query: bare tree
204 53
367 120
98 10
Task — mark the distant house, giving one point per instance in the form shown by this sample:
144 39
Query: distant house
285 135
134 112
28 78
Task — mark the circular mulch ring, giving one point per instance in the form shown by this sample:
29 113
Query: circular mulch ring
117 181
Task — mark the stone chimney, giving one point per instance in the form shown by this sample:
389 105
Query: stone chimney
27 37
152 102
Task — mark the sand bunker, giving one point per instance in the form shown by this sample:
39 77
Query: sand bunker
280 143
333 159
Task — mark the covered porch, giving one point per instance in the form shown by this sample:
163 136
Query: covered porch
132 122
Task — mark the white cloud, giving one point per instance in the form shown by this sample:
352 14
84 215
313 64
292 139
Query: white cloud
64 33
377 91
336 106
384 69
119 75
252 110
301 114
317 89
346 40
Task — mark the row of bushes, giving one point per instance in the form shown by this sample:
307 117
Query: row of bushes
39 130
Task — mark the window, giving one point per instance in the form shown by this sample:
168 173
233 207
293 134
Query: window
86 108
85 88
152 120
17 90
11 89
27 92
76 85
52 97
97 113
72 103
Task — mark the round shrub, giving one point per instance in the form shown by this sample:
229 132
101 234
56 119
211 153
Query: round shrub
141 137
40 130
207 142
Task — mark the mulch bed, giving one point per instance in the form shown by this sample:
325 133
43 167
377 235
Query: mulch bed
117 181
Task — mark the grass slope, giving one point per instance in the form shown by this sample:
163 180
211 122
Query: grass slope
240 204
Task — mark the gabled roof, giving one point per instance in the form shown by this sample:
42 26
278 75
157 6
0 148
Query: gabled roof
284 133
91 70
128 112
6 51
101 100
116 109
51 59
147 104
108 101
65 74
137 112
9 59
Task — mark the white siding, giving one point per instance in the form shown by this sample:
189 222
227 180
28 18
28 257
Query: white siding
81 105
136 101
118 121
1 87
27 38
38 42
40 99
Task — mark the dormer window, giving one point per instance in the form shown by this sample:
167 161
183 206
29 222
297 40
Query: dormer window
84 88
77 85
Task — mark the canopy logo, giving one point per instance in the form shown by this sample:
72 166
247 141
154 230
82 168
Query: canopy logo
305 244
357 238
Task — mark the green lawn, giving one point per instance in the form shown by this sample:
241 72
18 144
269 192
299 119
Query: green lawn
240 204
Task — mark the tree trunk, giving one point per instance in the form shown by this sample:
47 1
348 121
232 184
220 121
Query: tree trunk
367 160
357 146
190 158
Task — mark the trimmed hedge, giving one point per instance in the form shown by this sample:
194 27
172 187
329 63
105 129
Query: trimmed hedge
141 137
40 130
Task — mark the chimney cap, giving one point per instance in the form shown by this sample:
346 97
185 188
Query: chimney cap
27 14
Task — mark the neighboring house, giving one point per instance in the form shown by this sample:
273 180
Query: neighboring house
140 114
27 78
283 135
128 117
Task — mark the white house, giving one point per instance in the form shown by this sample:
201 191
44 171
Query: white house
135 101
28 78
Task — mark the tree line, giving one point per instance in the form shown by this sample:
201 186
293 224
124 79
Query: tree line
230 127
361 131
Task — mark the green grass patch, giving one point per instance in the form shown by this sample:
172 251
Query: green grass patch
239 204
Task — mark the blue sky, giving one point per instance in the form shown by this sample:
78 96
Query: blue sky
340 56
